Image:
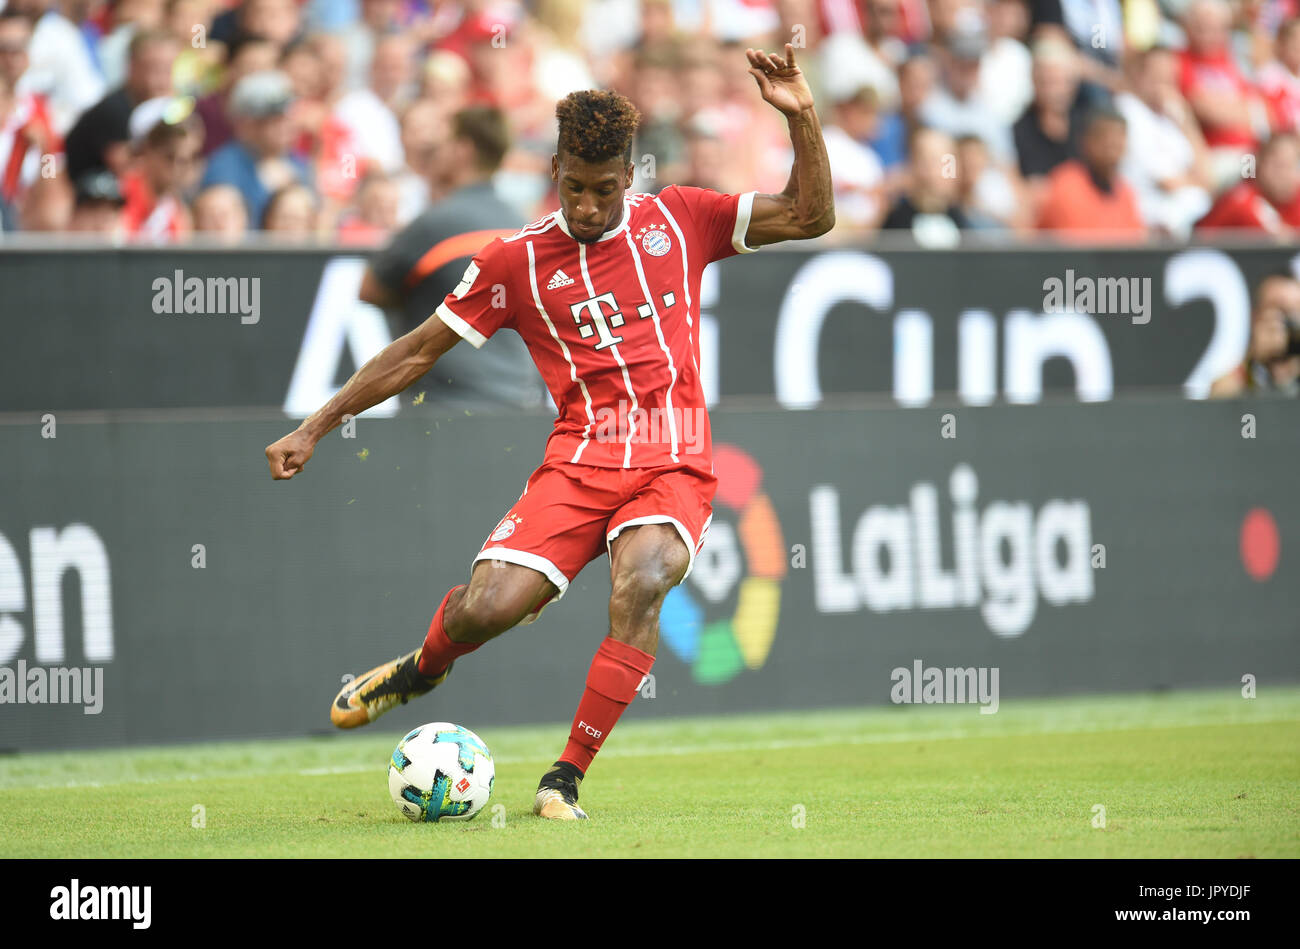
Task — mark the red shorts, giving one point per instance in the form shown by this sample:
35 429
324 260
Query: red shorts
569 514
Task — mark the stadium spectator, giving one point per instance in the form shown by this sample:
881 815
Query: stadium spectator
654 92
423 127
1166 161
258 161
62 68
375 19
1269 204
279 21
28 142
321 138
100 139
1271 364
987 195
928 210
1094 27
852 60
706 155
292 213
197 71
368 114
219 213
445 81
856 171
1226 106
47 205
946 18
1006 69
1087 198
246 54
883 29
126 19
98 205
309 114
15 38
426 260
916 80
1047 134
1279 80
372 215
167 139
958 105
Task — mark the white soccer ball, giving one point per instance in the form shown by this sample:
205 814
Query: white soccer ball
439 772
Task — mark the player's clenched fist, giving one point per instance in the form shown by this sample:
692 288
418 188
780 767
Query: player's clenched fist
288 456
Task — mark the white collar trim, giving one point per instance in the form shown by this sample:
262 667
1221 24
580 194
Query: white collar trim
558 217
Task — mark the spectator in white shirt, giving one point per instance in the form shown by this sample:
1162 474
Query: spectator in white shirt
1006 69
61 66
1166 160
855 169
957 106
368 113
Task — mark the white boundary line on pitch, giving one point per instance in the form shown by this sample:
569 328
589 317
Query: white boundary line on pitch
678 749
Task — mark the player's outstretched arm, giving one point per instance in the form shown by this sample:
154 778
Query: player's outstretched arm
806 208
394 368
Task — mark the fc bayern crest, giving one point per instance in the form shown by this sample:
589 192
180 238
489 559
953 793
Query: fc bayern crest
504 529
654 241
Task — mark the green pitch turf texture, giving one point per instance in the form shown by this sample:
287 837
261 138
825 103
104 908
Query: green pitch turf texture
1204 774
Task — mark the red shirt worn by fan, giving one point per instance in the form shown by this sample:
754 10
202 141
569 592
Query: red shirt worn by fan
612 325
1245 207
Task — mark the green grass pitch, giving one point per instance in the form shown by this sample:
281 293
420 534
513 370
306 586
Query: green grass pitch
1189 774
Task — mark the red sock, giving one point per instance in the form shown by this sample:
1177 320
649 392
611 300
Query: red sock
439 650
615 676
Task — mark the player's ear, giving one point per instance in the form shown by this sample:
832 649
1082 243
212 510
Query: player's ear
630 173
555 167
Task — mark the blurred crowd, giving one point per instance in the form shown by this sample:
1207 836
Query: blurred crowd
1115 120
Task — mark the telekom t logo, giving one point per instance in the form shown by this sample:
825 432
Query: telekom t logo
595 309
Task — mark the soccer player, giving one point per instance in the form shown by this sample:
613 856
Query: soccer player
606 295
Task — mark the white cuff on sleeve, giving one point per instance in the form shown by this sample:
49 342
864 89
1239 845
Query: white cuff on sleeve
463 329
744 211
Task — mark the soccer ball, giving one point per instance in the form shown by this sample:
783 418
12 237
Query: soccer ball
441 772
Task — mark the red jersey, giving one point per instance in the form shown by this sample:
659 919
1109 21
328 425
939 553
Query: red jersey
25 137
1218 73
1281 89
613 326
1245 207
146 216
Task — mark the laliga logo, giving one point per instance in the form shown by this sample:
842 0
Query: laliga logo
1004 557
718 650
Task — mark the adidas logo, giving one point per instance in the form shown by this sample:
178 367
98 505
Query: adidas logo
559 279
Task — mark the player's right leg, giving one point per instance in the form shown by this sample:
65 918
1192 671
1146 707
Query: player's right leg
499 596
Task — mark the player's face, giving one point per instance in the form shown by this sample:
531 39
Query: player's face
591 195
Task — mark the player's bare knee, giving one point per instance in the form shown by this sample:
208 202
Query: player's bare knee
479 620
497 599
640 584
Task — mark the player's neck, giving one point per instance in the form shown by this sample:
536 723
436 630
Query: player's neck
615 224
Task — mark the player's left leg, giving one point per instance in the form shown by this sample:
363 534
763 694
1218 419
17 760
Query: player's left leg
646 561
652 539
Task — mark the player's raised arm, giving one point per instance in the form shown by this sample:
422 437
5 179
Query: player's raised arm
806 208
394 368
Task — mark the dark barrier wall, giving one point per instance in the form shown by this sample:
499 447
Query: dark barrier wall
144 329
1122 546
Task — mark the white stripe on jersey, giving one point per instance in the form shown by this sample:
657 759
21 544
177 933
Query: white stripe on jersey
686 269
613 348
686 281
654 315
529 230
573 369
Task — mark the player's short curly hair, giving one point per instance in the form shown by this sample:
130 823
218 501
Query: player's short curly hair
596 126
